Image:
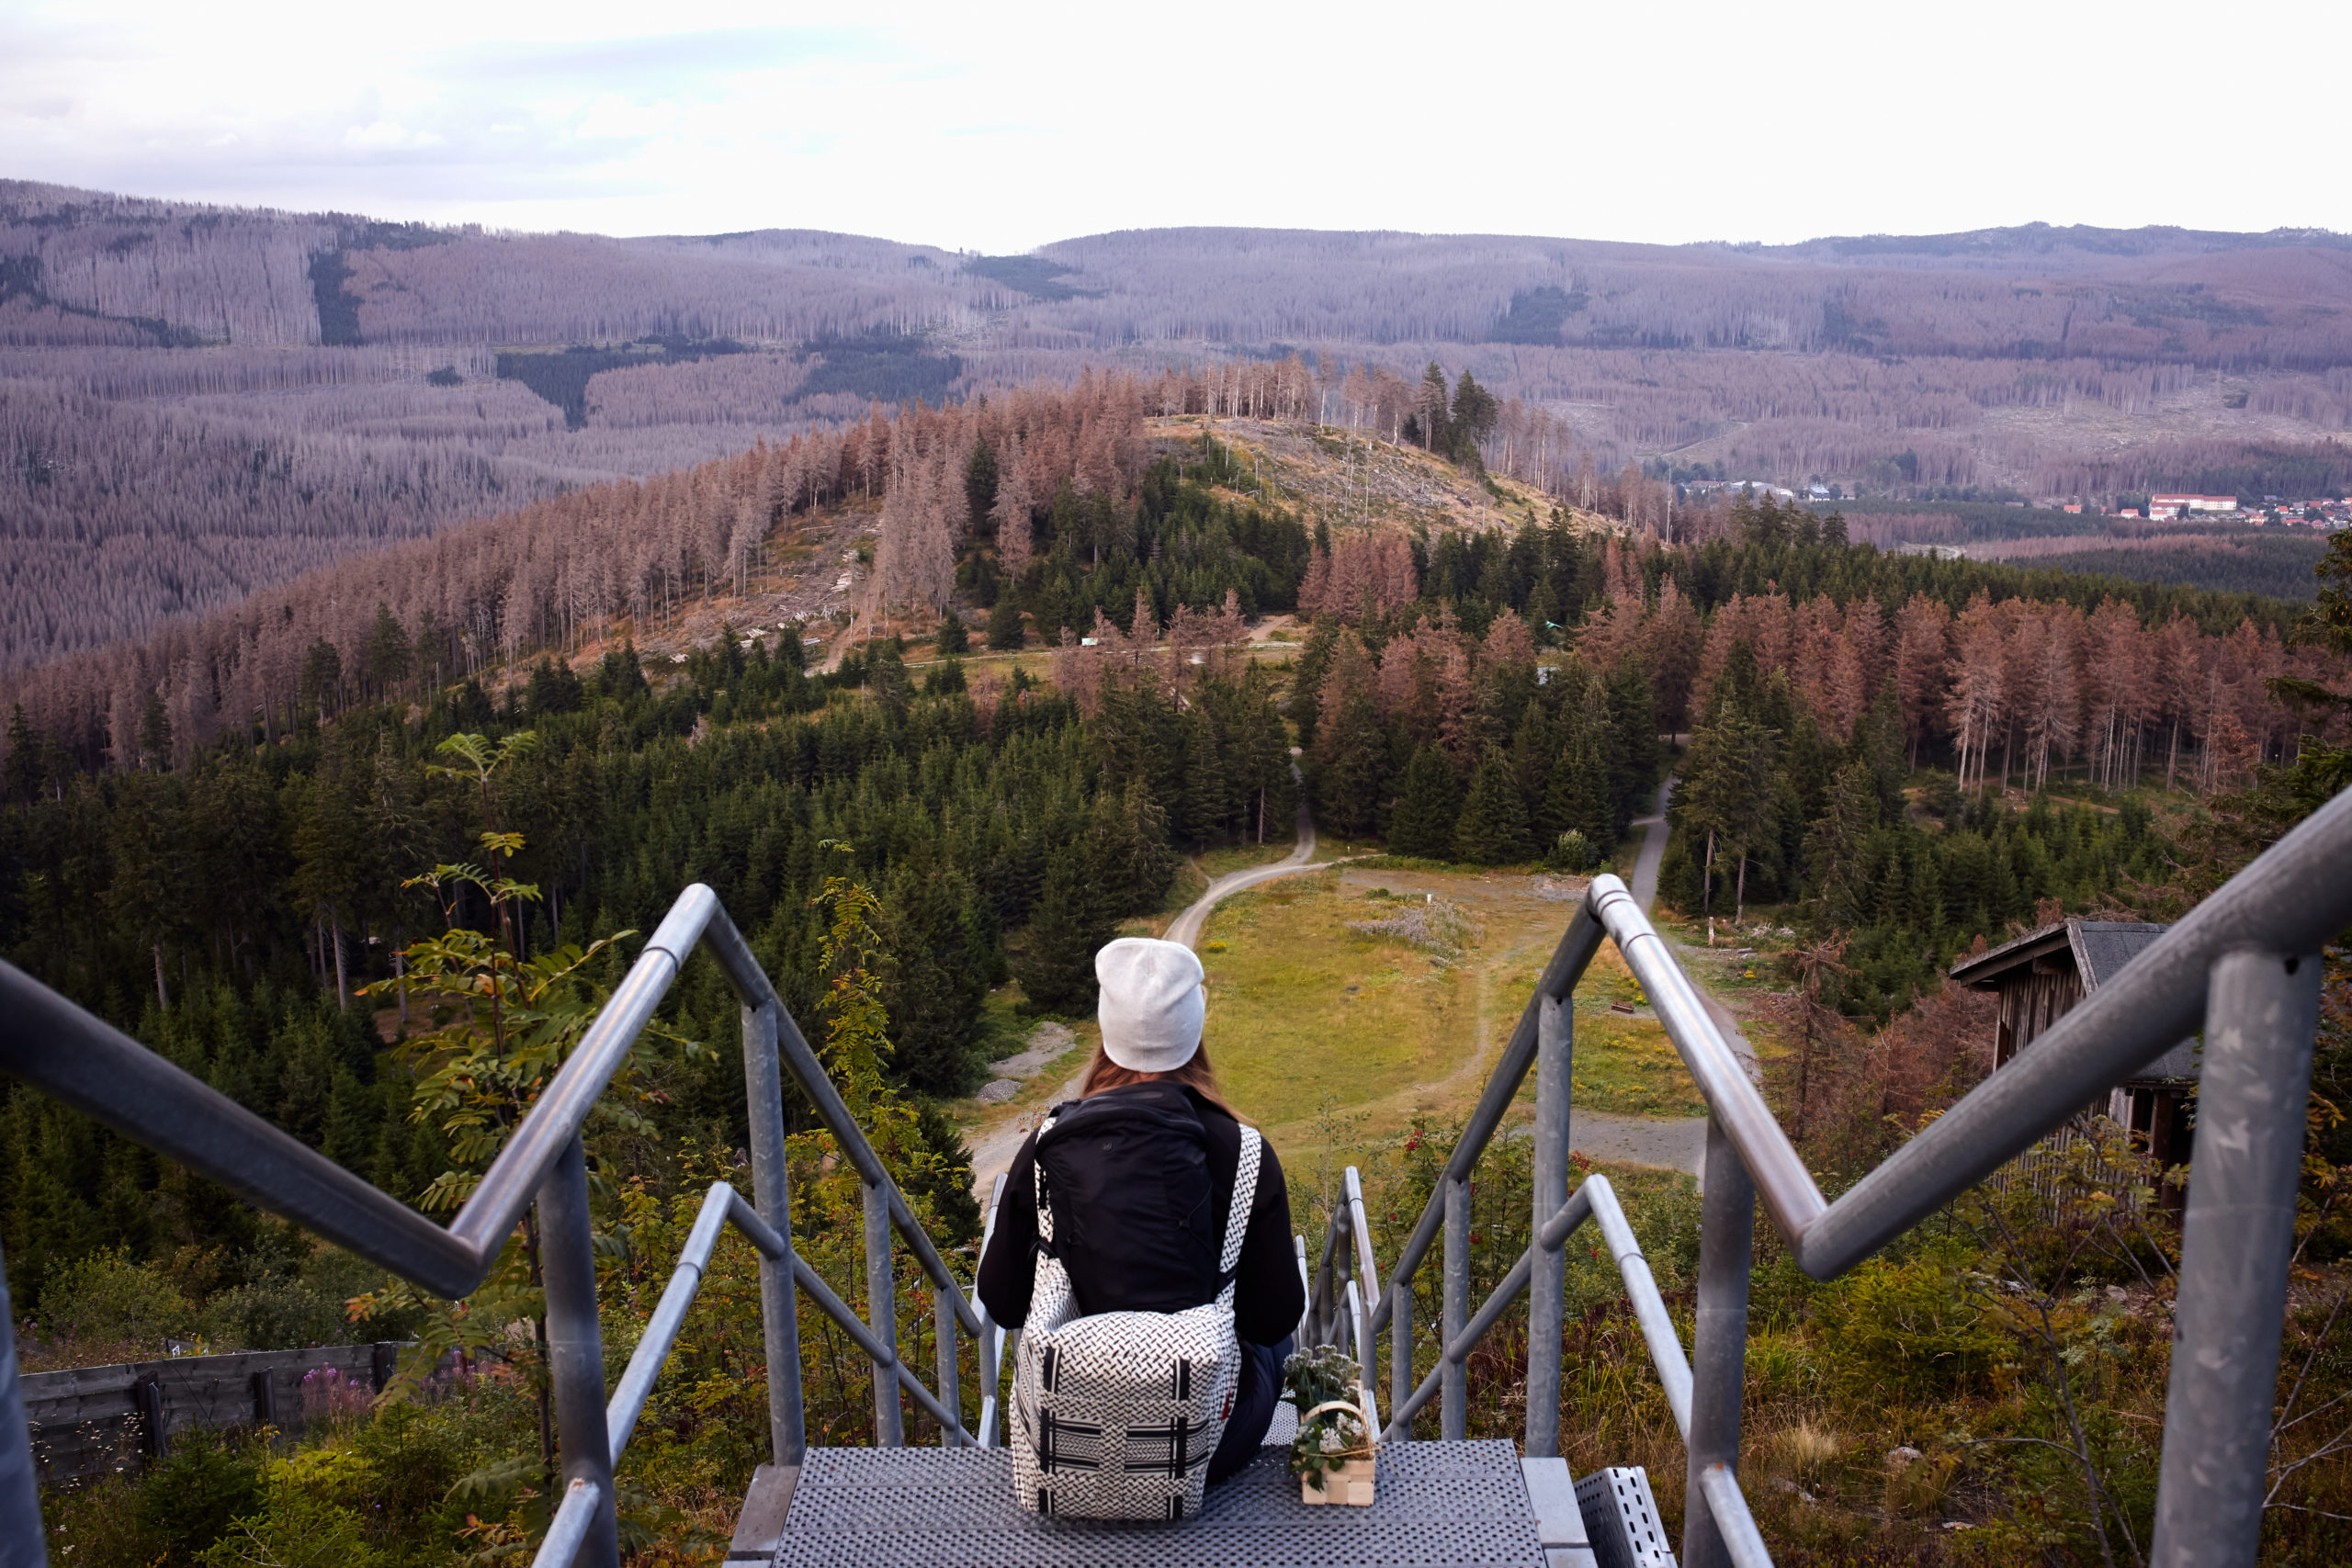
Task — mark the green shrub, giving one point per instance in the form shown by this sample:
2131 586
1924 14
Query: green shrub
1906 1328
414 1457
296 1529
106 1297
1663 1213
190 1500
274 1314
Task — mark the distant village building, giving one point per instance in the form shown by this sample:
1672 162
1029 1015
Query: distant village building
2174 505
1753 489
2040 977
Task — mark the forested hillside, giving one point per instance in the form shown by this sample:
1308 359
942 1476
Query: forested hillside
231 901
232 905
256 843
197 403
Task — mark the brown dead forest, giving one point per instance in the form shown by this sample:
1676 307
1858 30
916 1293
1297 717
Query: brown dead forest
198 402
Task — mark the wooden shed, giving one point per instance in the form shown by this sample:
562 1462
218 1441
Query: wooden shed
2040 976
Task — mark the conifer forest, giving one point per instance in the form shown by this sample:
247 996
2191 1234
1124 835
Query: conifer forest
396 619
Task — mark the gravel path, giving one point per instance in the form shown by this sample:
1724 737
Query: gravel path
1646 864
1186 927
1676 1141
992 1150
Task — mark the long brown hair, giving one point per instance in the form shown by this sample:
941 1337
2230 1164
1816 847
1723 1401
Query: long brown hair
1199 1075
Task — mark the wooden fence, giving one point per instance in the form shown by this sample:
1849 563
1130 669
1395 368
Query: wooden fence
91 1421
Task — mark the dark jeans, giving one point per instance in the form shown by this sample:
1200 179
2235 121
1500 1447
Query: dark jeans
1254 1396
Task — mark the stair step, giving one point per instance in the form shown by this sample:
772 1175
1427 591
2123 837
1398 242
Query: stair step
1441 1505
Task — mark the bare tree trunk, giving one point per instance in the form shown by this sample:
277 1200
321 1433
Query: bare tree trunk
163 998
342 976
1707 888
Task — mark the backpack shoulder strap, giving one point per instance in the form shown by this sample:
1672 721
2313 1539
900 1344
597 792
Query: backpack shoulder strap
1037 1181
1236 1221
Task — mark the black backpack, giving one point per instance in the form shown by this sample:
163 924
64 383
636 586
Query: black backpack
1135 1218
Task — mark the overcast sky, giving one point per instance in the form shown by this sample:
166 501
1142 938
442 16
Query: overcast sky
1001 127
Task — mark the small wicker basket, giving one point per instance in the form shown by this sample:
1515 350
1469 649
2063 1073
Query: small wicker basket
1352 1483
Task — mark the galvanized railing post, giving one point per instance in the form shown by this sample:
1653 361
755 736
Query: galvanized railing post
576 1345
1718 1341
1400 1344
1367 1275
772 1196
1454 1405
1319 1305
1344 1272
942 1331
882 1317
22 1544
1548 1285
987 1352
2236 1236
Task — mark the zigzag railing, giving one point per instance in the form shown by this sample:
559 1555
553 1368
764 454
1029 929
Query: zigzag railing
2243 967
59 1048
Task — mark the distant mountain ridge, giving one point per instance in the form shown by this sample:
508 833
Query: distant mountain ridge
2046 240
196 400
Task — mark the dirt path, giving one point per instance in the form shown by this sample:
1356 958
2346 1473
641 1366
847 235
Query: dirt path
1186 927
1644 890
1676 1143
993 1149
1653 852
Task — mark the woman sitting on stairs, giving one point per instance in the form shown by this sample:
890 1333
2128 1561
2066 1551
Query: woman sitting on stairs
1140 1171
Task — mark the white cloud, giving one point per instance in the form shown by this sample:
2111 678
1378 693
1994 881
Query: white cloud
1000 128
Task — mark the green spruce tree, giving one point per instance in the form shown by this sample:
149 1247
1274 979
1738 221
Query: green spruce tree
1493 826
1005 632
980 485
1424 823
1065 930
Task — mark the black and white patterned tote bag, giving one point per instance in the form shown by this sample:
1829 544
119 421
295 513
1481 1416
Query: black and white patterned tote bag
1116 1415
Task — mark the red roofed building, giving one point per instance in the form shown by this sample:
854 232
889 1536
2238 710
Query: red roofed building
2174 505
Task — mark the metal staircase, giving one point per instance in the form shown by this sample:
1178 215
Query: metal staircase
2243 967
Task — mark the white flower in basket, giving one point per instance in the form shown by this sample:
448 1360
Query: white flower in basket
1345 1451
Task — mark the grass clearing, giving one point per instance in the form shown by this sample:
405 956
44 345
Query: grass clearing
1308 1018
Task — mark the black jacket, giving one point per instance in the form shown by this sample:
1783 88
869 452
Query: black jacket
1267 1297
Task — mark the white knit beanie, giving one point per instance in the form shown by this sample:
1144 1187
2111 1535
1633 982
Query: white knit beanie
1152 1003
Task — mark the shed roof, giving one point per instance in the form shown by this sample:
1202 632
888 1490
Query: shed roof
2098 951
2098 948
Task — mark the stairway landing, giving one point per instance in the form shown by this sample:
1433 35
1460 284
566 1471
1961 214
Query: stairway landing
1472 1505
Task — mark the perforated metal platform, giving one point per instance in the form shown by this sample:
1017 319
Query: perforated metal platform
1441 1505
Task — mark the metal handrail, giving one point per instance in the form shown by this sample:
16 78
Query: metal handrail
2241 965
1596 1199
991 1346
59 1048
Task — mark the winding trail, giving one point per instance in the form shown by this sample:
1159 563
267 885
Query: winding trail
1652 853
1644 890
992 1150
1186 927
1678 1142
